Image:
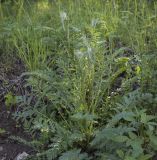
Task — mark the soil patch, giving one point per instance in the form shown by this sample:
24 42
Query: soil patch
9 149
9 81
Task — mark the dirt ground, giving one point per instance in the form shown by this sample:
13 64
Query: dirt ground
9 149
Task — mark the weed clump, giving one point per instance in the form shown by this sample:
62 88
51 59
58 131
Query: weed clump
91 66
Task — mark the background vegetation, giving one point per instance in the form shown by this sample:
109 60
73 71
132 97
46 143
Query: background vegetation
91 67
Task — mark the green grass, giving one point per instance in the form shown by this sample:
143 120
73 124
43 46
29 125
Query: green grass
92 67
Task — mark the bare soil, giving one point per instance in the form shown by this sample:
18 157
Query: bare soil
9 81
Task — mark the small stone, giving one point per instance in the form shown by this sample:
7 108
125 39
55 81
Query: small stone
22 156
1 148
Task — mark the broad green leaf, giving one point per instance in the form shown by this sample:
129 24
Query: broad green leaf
130 158
145 157
120 153
136 145
74 155
2 131
120 139
153 140
132 135
81 116
128 116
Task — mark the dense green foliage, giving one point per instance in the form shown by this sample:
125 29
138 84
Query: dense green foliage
92 68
